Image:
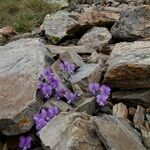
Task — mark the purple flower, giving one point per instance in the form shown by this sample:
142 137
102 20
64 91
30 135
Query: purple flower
70 97
105 90
67 67
39 119
47 72
94 88
52 112
46 90
60 93
54 84
101 99
25 142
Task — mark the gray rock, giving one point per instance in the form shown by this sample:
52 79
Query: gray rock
117 134
86 74
139 117
129 65
86 105
97 37
146 138
133 24
64 107
21 63
81 49
120 110
60 3
133 97
69 131
56 25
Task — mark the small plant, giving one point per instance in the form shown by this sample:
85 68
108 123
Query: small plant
102 93
25 142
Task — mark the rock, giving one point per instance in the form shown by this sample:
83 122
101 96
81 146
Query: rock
139 117
132 111
107 109
75 2
146 138
86 74
117 134
129 65
20 36
60 3
112 9
63 106
56 25
61 49
120 110
72 57
133 24
93 18
69 131
148 117
6 33
86 105
97 37
133 97
5 147
21 63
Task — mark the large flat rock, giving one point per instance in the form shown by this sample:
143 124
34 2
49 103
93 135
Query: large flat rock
117 134
69 131
21 63
129 65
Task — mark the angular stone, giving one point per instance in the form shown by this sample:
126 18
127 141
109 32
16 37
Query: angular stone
61 49
97 37
120 110
129 65
21 63
133 24
60 3
146 138
63 106
69 131
86 74
132 111
56 25
72 57
117 134
93 18
86 105
133 97
107 109
139 117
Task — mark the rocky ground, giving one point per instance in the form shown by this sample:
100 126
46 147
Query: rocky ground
91 60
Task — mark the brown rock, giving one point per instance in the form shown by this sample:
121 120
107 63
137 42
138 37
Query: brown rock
129 65
120 110
132 111
139 117
133 24
21 63
69 131
146 138
133 97
117 134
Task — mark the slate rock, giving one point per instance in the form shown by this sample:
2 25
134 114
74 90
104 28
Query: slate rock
21 63
86 74
69 131
129 65
87 105
133 97
117 134
97 37
56 25
133 24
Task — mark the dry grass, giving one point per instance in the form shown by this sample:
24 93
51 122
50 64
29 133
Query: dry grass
24 15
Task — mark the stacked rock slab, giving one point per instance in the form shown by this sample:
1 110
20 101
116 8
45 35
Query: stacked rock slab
21 63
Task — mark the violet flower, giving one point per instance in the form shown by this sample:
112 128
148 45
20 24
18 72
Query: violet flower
25 142
46 90
60 93
52 112
67 67
94 88
105 90
70 97
101 99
